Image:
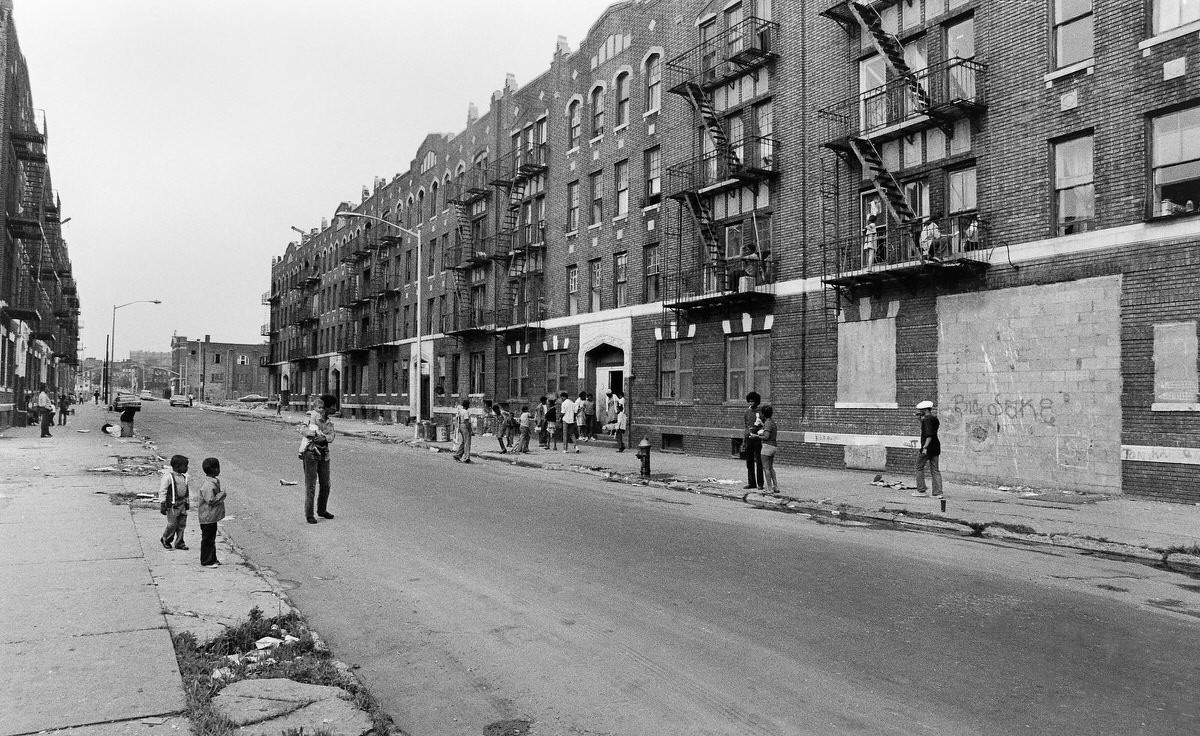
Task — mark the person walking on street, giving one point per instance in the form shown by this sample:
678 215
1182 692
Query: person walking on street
319 431
931 449
497 425
96 397
569 413
212 510
767 434
173 502
64 404
462 424
752 444
45 407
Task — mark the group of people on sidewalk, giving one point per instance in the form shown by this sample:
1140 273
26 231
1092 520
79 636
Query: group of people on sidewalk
46 407
552 419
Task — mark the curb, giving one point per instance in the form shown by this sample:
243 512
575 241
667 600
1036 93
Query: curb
1182 562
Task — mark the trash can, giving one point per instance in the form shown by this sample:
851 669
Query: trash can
126 429
443 433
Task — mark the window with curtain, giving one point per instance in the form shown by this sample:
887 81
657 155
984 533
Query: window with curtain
675 370
1073 36
653 82
1176 161
747 365
1074 191
622 91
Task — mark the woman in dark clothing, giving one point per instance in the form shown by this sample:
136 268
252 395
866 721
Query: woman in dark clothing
767 435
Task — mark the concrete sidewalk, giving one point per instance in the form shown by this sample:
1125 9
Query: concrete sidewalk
1146 530
91 599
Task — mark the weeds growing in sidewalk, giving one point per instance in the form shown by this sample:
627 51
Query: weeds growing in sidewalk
207 669
1182 549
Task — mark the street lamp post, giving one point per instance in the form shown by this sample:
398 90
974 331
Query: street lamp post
112 344
416 410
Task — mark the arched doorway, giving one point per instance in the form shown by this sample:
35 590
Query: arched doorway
604 369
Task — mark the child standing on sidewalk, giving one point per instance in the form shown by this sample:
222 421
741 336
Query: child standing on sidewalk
212 510
622 425
173 502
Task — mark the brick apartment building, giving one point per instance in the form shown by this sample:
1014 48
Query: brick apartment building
218 371
706 198
39 299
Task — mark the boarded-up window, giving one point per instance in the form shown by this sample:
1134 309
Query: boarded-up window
867 363
1175 371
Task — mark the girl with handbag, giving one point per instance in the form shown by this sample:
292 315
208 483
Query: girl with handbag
768 435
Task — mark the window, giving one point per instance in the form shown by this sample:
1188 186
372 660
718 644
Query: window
650 288
594 271
962 191
747 365
216 358
556 373
1072 31
764 127
872 108
622 90
597 112
455 369
653 82
574 125
1074 193
960 44
621 279
1175 376
1170 14
572 290
518 375
243 360
572 206
653 175
675 370
1176 161
621 177
433 199
476 376
597 181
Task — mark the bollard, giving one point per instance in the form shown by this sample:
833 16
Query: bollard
643 454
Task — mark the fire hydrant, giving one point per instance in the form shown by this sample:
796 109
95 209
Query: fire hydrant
643 454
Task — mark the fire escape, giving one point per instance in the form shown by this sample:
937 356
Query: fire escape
706 276
468 259
24 208
521 241
911 101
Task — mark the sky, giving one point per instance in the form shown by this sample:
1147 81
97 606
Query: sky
186 136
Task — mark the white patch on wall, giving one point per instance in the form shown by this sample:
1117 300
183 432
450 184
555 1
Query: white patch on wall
1029 385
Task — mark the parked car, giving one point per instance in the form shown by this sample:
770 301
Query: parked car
180 400
148 396
123 400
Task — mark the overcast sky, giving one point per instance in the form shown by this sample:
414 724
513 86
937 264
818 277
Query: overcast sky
186 136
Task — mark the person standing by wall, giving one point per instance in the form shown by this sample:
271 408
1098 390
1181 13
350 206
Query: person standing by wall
751 443
462 423
539 423
767 434
589 415
930 451
622 424
319 431
45 406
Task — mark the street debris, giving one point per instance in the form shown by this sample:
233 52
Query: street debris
722 481
898 485
267 642
83 431
283 482
103 469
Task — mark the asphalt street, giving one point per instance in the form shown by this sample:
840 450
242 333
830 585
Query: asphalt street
470 595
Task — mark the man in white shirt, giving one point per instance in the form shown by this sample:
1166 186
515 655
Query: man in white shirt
45 407
569 411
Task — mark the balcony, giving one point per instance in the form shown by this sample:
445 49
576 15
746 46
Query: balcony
356 295
739 50
266 298
266 330
264 361
527 237
893 255
469 187
469 254
23 300
358 340
28 136
470 322
310 280
297 354
305 313
527 300
955 90
521 164
24 225
751 160
736 282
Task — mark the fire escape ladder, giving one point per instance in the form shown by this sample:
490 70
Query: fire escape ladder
462 218
712 123
885 183
891 49
512 214
709 233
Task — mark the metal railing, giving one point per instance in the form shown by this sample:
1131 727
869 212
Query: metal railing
754 157
954 87
960 236
471 185
734 278
732 53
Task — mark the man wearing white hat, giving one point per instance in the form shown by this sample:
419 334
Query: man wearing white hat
931 448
